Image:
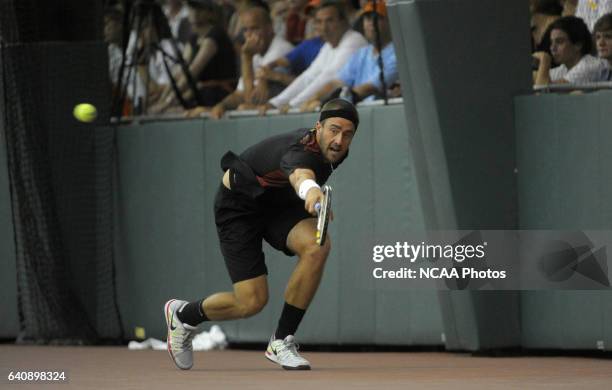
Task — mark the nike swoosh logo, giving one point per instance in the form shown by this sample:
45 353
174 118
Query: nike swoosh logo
172 327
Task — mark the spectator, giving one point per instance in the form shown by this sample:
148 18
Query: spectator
591 10
340 43
113 34
570 46
296 21
260 48
211 60
362 72
227 11
234 26
297 61
177 14
543 13
602 32
311 30
569 7
278 12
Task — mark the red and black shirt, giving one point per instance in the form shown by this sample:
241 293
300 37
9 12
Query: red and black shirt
264 168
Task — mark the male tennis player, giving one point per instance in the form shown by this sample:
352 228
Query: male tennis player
269 192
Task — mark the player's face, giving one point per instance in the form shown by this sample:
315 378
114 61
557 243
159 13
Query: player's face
562 49
334 137
603 41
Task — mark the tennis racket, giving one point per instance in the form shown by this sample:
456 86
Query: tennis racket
324 211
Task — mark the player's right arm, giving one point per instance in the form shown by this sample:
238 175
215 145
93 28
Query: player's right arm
301 180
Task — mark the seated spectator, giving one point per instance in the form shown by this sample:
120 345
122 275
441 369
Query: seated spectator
296 21
603 38
591 10
543 13
234 27
570 46
569 7
210 57
296 61
362 72
261 47
177 14
279 11
340 43
113 36
113 31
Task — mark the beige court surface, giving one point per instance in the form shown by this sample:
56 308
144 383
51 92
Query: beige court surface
119 368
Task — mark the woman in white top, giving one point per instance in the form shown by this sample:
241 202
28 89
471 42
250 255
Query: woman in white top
570 45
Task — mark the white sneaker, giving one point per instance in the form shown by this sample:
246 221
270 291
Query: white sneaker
284 353
180 336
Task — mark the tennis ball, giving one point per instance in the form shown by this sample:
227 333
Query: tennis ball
139 332
85 112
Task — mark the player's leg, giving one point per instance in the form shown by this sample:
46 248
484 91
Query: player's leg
182 317
306 276
248 298
240 235
301 288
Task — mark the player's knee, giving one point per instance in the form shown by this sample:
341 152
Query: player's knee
253 305
317 253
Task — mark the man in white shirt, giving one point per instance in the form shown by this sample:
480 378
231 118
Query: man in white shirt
261 47
340 43
570 45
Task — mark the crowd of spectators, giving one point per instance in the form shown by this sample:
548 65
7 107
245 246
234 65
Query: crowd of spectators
571 41
211 56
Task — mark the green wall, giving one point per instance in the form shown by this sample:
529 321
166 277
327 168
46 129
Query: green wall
461 62
565 183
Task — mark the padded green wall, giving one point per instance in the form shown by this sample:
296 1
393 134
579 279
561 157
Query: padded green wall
461 62
168 173
565 183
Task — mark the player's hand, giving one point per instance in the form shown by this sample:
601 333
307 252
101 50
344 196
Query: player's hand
314 196
217 111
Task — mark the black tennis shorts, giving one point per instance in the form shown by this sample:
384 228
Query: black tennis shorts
242 222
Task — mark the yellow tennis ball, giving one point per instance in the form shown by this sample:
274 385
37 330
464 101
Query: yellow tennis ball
85 112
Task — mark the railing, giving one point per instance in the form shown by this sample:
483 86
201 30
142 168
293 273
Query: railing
235 113
586 87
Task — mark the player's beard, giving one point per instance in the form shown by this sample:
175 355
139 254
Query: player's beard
334 153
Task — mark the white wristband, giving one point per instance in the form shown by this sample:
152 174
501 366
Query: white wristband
305 186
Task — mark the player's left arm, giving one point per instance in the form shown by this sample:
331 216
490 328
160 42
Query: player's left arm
303 181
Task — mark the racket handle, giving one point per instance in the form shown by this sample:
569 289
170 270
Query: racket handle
318 207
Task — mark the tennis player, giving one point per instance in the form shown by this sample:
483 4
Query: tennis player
269 192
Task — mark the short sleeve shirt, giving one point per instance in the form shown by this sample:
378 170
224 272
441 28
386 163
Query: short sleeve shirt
275 158
363 68
588 70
